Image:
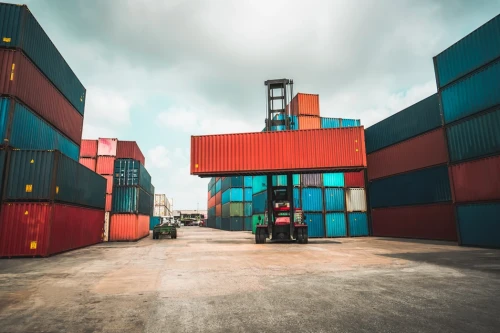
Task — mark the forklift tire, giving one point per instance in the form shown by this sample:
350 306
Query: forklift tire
263 237
154 235
300 236
257 236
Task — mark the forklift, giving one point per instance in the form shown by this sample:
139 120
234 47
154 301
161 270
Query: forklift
284 222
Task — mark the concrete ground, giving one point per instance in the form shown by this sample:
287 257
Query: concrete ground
215 281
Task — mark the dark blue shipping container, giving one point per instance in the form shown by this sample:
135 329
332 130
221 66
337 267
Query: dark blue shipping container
335 225
23 129
51 176
211 222
472 94
471 52
412 121
129 172
247 195
153 221
248 224
131 199
3 156
351 122
413 188
315 224
230 182
475 137
330 122
479 224
211 183
334 199
218 186
236 223
358 224
259 203
218 222
212 191
312 199
225 224
211 212
247 181
20 29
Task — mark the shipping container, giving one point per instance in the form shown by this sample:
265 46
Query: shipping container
331 122
479 224
21 128
212 191
355 199
472 94
297 203
24 32
218 198
335 225
218 186
358 224
420 187
256 221
423 151
109 202
354 179
211 183
334 199
218 210
474 138
259 184
311 180
40 229
105 165
236 223
321 150
130 149
211 212
412 121
309 122
232 209
105 235
259 203
225 224
88 162
435 222
312 199
128 227
218 222
51 176
131 199
247 181
88 148
232 194
332 179
21 79
211 222
247 207
107 147
128 172
350 122
247 224
153 221
109 184
294 123
281 180
247 195
315 224
160 211
161 200
229 182
3 160
305 104
471 52
477 180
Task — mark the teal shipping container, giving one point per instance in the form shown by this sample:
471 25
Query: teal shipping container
51 176
230 182
129 172
212 191
351 122
335 225
334 199
232 195
23 129
479 224
211 183
259 184
131 199
211 212
312 199
153 221
330 122
247 210
247 181
420 187
20 29
236 223
294 124
259 203
358 224
472 94
3 159
315 224
247 195
281 180
468 54
475 137
247 224
412 121
218 222
296 198
333 179
218 186
225 224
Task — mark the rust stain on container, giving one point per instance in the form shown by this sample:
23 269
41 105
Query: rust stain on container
88 162
128 227
305 104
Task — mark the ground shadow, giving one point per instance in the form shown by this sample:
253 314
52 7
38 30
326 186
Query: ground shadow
415 240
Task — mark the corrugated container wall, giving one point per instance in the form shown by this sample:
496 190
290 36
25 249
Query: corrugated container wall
333 180
131 199
130 149
105 165
479 224
351 122
153 222
355 199
88 162
315 225
88 148
259 202
312 199
309 122
331 122
313 179
107 147
334 199
128 227
3 157
109 184
335 225
354 179
358 224
129 172
305 104
259 184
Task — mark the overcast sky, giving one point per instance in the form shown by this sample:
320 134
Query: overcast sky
159 71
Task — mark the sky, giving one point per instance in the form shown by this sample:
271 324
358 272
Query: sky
159 71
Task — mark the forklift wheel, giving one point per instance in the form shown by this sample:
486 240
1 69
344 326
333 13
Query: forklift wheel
300 236
154 235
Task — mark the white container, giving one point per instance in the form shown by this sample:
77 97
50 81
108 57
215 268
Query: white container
355 199
105 236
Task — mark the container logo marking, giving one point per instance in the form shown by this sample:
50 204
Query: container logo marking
57 189
33 245
26 213
12 72
6 39
32 161
29 188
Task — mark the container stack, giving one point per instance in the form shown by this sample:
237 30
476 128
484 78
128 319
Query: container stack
409 188
162 208
468 81
50 203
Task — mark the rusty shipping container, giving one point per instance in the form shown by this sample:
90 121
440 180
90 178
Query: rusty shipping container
105 165
417 153
128 227
109 183
477 180
88 162
309 122
21 79
427 222
130 149
42 229
88 148
354 179
107 147
307 150
305 105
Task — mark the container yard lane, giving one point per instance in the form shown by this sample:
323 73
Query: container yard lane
210 280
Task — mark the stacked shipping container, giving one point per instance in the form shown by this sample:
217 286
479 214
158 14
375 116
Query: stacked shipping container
162 208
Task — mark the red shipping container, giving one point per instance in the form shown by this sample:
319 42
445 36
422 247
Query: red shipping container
107 147
130 149
105 165
19 77
476 180
109 202
128 227
211 202
309 122
218 196
109 184
88 162
354 179
321 150
423 151
218 210
434 222
42 229
88 148
305 104
209 195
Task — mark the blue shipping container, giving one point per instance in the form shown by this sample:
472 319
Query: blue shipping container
475 137
312 199
358 224
3 156
471 52
153 221
259 184
296 198
334 199
248 224
335 225
247 195
351 122
232 195
218 186
225 224
472 94
294 125
129 172
259 203
248 209
230 182
20 29
315 224
131 199
218 222
333 179
412 121
479 224
426 186
330 122
236 224
247 181
23 129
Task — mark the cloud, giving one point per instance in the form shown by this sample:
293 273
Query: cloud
158 157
